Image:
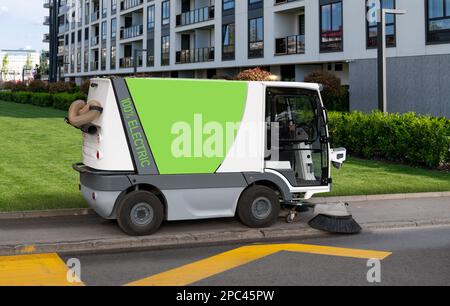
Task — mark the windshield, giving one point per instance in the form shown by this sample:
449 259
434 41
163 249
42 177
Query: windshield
295 110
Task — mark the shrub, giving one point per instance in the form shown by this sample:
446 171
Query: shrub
84 88
5 96
63 100
15 86
41 99
334 95
23 97
62 87
408 138
38 86
256 74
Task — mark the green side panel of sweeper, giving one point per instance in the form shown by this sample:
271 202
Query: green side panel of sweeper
180 119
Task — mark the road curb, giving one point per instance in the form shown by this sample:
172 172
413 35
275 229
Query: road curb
88 211
46 213
380 197
185 240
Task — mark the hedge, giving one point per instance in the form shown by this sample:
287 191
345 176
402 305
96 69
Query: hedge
42 99
63 100
58 100
406 138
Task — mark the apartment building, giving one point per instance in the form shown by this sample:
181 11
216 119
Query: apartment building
291 38
18 65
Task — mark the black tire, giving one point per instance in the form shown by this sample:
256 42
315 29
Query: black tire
140 213
248 212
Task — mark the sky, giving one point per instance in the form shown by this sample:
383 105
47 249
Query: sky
21 24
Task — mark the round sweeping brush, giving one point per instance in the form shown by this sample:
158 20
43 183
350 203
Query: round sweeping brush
338 225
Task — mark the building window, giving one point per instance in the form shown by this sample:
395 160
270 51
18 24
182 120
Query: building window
150 52
104 9
438 21
165 13
104 32
228 5
113 57
86 60
151 17
256 37
228 42
165 50
103 60
113 28
113 7
331 27
372 28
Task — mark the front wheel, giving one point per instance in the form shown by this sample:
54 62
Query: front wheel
140 213
258 207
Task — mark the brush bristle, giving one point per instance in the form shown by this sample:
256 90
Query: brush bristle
339 225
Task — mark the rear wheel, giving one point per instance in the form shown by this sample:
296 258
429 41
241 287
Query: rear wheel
140 213
258 207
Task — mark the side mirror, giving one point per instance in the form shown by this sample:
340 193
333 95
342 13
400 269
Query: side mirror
338 157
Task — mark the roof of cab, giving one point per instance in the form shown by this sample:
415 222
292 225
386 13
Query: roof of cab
310 86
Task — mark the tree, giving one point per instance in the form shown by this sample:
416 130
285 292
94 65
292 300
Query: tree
334 95
5 63
256 74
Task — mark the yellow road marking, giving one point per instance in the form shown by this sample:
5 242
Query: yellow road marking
27 249
34 270
214 265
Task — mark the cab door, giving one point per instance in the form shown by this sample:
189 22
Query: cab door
297 139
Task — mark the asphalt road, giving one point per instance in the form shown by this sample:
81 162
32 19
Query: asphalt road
418 257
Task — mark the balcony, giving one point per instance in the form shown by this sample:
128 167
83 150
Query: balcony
128 4
284 1
195 55
63 28
48 4
95 16
46 38
94 66
132 32
129 62
94 41
195 16
46 20
294 44
61 50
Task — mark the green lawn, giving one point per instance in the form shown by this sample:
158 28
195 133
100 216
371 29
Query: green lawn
38 149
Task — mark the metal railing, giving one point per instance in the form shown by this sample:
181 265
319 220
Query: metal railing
127 4
94 66
294 44
132 31
128 62
95 16
195 55
195 16
94 41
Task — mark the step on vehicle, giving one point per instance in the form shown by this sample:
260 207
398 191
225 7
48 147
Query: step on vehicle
159 150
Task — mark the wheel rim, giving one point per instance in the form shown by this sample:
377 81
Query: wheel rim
261 208
142 214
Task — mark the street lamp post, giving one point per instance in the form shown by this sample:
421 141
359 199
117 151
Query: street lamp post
382 83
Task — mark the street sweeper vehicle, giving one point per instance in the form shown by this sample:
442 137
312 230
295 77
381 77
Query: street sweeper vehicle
172 149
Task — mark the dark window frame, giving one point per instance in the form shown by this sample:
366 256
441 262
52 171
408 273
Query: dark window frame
393 45
249 51
324 3
444 35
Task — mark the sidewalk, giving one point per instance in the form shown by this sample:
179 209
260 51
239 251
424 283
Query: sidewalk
89 233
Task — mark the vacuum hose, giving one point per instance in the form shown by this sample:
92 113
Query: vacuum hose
81 115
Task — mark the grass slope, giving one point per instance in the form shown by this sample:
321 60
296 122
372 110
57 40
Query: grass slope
38 148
